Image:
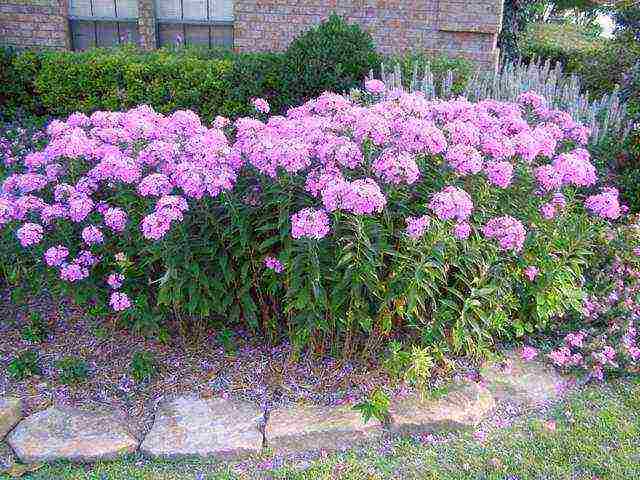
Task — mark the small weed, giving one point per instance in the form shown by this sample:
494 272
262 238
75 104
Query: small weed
36 330
225 337
24 365
73 370
143 366
376 406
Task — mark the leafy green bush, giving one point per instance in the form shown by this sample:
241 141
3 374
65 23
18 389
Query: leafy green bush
114 79
36 330
331 57
566 43
72 370
600 63
608 65
24 365
143 366
17 75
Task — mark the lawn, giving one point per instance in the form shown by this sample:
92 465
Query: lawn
594 434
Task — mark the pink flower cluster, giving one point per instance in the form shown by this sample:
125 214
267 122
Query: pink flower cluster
451 203
274 264
508 231
351 158
605 204
309 223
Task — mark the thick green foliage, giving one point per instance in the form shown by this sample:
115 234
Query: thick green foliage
566 43
601 64
333 56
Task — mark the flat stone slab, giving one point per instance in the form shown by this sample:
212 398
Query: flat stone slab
464 406
530 383
10 414
302 428
71 434
7 457
189 426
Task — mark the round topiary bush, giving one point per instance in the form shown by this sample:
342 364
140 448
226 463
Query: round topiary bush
346 223
333 56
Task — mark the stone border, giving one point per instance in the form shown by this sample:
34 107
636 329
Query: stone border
190 426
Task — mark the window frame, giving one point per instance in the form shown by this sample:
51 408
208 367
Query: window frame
185 22
95 20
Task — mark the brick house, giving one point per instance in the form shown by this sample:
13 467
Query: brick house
466 28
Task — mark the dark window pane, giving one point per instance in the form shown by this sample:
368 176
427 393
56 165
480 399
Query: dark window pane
222 36
107 34
82 34
170 34
128 32
198 35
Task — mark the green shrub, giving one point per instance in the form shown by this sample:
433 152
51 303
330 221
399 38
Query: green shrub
608 65
17 75
72 370
566 43
115 79
600 63
24 365
36 330
333 56
143 366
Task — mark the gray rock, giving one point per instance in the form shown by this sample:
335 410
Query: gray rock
530 383
303 428
464 406
189 426
7 457
10 414
71 434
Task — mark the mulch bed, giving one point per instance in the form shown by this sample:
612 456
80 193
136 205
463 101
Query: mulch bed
254 371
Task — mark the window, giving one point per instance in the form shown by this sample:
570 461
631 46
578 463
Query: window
195 22
103 23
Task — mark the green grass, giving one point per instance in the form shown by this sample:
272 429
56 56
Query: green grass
597 436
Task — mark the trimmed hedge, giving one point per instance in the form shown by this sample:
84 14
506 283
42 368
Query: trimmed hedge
333 56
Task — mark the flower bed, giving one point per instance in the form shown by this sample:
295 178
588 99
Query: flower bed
342 224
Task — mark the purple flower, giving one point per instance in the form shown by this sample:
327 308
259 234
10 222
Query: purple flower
155 226
499 173
529 353
464 159
451 203
309 223
54 256
508 231
261 105
462 230
119 301
531 272
115 280
30 234
115 219
92 235
72 272
273 263
416 226
605 204
375 87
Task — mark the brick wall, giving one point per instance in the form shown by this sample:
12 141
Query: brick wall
34 23
456 27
